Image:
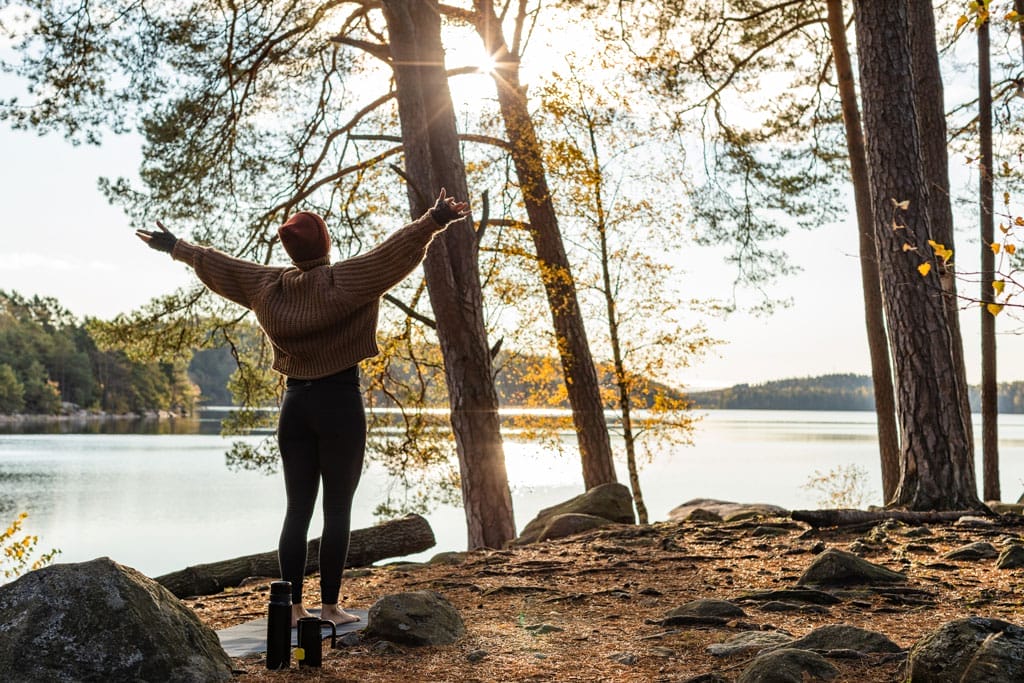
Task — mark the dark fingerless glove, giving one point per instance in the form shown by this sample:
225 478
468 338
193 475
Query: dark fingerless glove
444 214
163 241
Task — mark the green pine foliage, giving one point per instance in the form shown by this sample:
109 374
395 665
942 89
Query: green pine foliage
50 363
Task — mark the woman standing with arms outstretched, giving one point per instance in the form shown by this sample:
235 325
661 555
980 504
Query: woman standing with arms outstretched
321 320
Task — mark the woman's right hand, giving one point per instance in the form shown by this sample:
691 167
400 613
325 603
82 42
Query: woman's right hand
161 241
446 210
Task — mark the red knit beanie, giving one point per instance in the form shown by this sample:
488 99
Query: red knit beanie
304 236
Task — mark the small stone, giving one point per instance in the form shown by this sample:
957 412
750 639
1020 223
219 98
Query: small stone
663 652
541 629
1011 558
386 647
476 656
350 639
627 658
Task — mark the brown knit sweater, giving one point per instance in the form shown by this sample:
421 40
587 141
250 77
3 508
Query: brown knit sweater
320 318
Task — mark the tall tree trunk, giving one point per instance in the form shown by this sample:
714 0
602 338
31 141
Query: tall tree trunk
989 391
570 334
881 368
930 109
936 449
433 160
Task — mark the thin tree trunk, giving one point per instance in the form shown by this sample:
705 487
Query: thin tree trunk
936 450
451 267
570 334
878 344
989 392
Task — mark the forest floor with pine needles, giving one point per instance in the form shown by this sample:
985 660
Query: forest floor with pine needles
589 607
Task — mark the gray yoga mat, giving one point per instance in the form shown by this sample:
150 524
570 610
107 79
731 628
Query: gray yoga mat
251 637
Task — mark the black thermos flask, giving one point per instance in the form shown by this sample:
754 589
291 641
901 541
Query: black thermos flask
279 625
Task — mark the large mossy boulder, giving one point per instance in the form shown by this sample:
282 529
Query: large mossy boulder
975 649
101 621
415 618
602 505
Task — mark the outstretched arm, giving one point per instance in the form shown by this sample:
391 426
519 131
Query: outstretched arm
232 278
368 276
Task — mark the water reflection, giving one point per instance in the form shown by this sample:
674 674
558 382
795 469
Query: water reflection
113 425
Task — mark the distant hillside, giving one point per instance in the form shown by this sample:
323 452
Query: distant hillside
827 392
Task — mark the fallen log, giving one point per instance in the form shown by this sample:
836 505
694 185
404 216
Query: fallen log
850 517
394 538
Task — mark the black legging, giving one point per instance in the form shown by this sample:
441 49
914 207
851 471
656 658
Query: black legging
322 434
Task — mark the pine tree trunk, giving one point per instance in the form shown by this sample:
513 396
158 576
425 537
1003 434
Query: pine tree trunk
936 451
433 160
878 343
989 386
571 336
931 122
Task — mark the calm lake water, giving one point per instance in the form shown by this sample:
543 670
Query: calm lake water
163 501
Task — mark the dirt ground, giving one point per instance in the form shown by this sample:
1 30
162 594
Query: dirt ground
606 591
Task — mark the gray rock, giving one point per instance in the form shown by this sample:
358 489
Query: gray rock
845 637
101 621
611 502
780 606
981 550
837 568
570 524
946 654
713 677
1012 557
627 658
415 618
749 642
702 515
788 666
476 656
728 511
708 608
449 557
806 595
999 659
918 532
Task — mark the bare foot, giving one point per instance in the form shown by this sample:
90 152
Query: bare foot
337 615
299 612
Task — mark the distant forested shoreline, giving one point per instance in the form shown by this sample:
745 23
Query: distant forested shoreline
51 364
827 392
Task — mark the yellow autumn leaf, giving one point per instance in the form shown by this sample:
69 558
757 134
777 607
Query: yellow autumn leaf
994 309
1012 16
905 204
961 22
897 226
995 247
1010 248
907 247
1003 229
924 268
1019 220
1006 198
998 286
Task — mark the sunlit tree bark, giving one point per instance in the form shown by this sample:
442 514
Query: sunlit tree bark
433 160
936 450
570 334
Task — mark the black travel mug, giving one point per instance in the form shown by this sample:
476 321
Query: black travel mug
310 650
279 625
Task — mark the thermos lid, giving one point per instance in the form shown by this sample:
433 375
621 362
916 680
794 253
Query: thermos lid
281 588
